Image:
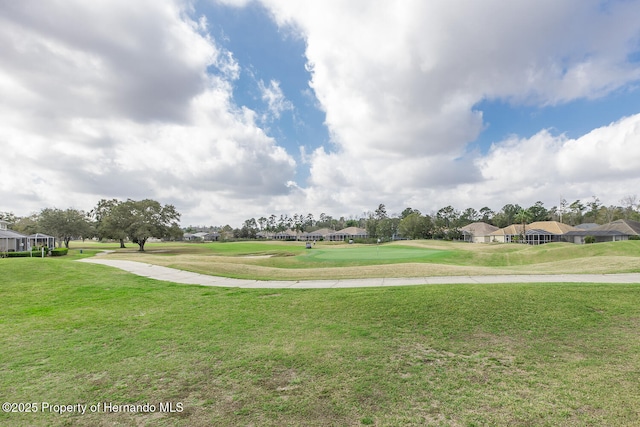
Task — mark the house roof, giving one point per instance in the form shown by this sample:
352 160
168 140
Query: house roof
10 234
287 232
553 227
624 226
352 231
513 229
41 236
538 232
595 233
586 226
479 229
621 227
549 227
321 232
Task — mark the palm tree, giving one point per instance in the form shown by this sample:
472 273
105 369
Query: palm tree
523 216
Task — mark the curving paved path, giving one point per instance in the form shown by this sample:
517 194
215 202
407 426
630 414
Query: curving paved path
185 277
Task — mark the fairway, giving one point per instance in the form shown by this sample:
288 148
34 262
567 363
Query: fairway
280 260
381 253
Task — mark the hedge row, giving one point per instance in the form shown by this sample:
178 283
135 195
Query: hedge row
16 254
59 251
35 253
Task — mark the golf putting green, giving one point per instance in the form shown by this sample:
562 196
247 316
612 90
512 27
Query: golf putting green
371 253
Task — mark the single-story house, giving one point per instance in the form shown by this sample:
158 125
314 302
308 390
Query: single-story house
287 234
201 236
321 234
536 233
190 237
207 237
614 231
349 233
507 234
478 232
12 241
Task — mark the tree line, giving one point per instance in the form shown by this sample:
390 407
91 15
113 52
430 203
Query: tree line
135 221
444 223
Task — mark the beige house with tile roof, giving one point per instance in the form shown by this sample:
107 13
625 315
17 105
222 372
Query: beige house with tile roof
478 232
537 233
349 233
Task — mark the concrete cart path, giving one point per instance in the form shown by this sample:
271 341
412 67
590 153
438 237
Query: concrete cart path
185 277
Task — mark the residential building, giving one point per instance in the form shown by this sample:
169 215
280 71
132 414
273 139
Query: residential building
478 232
621 229
536 233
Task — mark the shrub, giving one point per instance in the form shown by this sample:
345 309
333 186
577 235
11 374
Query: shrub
635 237
17 254
368 240
59 251
589 239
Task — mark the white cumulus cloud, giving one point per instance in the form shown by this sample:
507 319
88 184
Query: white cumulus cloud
113 99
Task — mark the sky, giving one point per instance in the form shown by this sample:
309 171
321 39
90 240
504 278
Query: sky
235 109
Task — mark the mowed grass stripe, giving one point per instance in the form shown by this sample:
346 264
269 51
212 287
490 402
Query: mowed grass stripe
528 354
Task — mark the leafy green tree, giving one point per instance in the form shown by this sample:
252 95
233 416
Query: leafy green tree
309 222
371 225
486 215
468 216
249 229
226 232
408 211
506 216
446 223
148 218
8 217
381 212
387 228
415 226
538 212
65 225
593 210
26 225
111 220
523 216
352 223
447 216
630 207
576 209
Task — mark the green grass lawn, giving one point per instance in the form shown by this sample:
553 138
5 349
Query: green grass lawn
463 355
